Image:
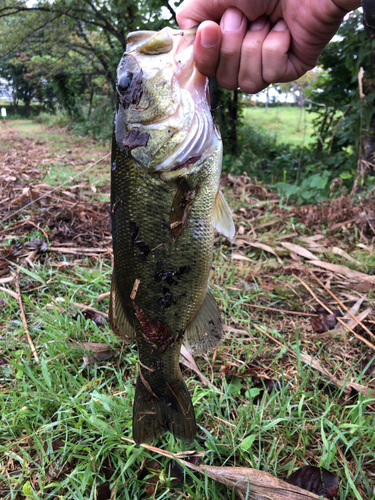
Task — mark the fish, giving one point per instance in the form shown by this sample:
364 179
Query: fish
165 203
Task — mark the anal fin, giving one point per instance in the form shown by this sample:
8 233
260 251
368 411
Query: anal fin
205 332
118 319
223 218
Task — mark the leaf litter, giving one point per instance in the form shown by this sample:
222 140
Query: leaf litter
269 248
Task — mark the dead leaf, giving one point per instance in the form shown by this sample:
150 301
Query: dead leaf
101 352
266 248
323 322
252 483
315 479
298 250
342 253
187 359
354 310
238 256
265 384
104 491
346 271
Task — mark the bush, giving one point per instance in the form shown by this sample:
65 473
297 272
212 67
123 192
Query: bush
99 124
299 173
60 118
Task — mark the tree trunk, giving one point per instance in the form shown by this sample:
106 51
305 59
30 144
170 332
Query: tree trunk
91 98
224 106
27 107
366 155
233 108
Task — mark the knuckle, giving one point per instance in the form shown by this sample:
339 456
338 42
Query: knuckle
251 48
229 51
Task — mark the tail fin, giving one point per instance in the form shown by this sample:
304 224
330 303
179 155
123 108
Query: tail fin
171 410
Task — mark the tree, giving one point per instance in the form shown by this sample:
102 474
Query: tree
74 47
346 121
20 85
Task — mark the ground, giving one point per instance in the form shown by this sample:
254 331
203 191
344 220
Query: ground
292 384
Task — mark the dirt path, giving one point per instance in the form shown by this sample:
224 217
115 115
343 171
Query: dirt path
74 216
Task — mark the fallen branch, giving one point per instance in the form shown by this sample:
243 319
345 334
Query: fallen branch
89 308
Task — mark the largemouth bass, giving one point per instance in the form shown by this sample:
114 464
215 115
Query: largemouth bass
165 203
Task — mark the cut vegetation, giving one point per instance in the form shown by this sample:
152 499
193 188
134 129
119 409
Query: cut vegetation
292 385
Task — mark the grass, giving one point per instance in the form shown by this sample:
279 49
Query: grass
64 424
59 416
289 124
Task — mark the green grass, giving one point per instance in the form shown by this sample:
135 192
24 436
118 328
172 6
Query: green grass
90 410
63 424
287 123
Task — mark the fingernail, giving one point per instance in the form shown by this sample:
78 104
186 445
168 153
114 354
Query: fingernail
232 20
258 24
280 26
209 38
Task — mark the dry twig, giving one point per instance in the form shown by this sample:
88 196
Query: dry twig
24 321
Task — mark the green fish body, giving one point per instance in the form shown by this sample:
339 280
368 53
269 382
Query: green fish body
165 203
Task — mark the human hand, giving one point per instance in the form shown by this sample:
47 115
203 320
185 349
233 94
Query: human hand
259 42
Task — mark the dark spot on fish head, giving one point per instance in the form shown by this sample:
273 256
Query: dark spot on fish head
134 231
124 82
211 322
134 139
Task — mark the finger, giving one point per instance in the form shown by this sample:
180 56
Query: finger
192 12
250 77
233 28
207 48
276 64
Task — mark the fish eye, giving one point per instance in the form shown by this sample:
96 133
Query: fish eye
125 81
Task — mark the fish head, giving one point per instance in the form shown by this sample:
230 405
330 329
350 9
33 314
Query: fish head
163 115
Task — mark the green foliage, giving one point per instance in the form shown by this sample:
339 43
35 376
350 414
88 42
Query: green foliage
313 189
342 116
73 48
99 124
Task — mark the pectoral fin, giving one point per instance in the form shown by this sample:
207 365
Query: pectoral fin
223 219
120 324
206 330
